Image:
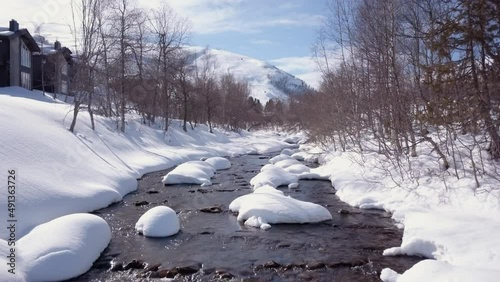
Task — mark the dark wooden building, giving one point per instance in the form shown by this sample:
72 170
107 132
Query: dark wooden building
16 49
51 69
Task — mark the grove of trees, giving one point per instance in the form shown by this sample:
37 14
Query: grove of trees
131 60
411 72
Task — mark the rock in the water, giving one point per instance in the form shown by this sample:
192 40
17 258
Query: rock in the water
141 203
189 269
315 265
271 264
134 264
165 273
223 274
214 209
342 211
152 268
116 266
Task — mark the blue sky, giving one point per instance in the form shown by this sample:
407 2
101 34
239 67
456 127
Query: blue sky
278 31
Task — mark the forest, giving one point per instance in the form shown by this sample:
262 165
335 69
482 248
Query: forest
396 76
411 74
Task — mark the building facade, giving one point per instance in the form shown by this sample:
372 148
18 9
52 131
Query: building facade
16 56
51 69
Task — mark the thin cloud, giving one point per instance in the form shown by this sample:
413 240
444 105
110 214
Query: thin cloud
262 42
218 16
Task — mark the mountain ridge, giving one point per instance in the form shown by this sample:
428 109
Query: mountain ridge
266 81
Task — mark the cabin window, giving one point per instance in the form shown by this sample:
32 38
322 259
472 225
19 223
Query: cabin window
25 55
26 80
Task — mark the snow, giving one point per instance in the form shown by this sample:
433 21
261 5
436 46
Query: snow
287 152
455 225
192 172
304 156
265 206
70 246
258 74
280 157
219 163
293 139
160 221
273 176
286 163
63 173
432 270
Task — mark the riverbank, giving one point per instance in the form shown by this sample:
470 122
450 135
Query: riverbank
61 173
447 220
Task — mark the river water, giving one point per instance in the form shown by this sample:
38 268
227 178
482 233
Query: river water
213 246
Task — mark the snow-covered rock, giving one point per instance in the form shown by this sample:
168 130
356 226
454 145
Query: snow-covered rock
273 176
160 221
219 163
266 189
268 207
286 163
292 139
63 248
192 172
298 169
305 156
279 157
287 152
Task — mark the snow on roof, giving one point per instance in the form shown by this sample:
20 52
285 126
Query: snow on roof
5 31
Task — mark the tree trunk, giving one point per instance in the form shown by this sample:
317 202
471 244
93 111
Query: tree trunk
76 109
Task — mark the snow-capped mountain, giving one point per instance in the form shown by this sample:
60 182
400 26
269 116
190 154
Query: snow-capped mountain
266 81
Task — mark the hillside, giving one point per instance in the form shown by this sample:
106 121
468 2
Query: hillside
266 81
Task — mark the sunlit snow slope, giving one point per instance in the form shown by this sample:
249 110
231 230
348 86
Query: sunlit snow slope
266 81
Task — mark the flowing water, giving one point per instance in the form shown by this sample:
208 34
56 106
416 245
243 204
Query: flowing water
213 246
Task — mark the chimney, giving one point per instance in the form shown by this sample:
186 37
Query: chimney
57 45
13 25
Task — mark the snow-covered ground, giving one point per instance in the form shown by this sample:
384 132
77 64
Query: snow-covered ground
59 173
445 219
258 74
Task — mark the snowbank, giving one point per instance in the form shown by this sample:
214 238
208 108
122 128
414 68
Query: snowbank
452 223
437 271
62 248
265 206
160 221
192 172
61 173
219 163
